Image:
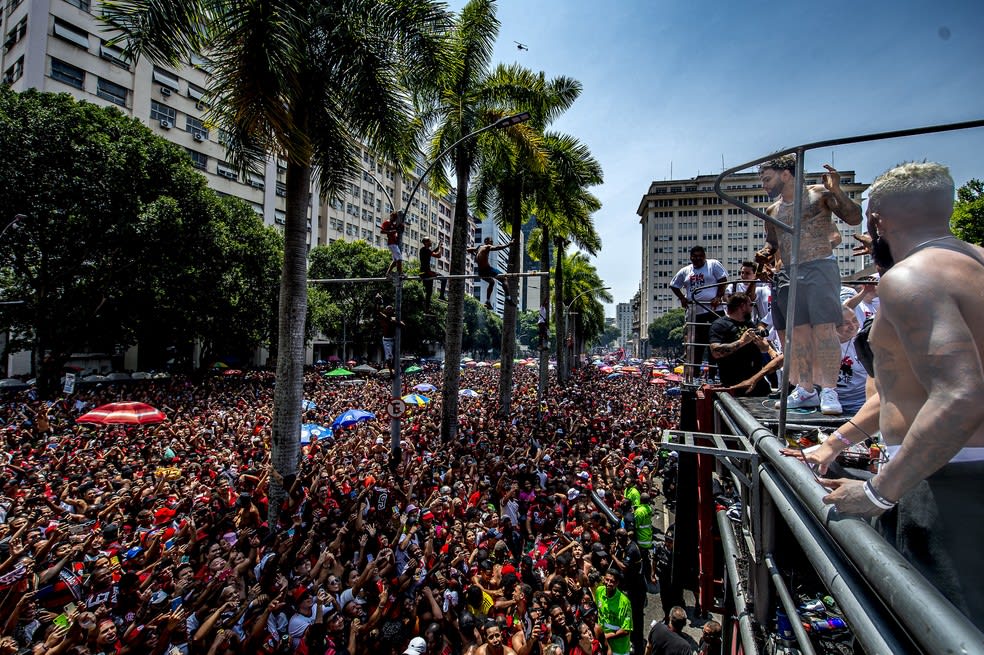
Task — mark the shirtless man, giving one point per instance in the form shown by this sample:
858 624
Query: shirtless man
928 343
815 357
488 272
494 643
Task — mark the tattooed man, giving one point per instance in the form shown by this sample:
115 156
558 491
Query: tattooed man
815 357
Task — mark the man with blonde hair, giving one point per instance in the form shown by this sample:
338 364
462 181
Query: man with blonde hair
928 345
815 354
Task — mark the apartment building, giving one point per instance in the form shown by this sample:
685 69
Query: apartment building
623 321
676 215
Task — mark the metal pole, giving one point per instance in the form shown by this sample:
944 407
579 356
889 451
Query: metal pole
463 276
802 639
395 451
729 546
567 311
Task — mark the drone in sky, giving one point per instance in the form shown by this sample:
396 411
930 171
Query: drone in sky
520 46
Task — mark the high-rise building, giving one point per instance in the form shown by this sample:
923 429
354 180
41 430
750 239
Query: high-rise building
623 320
678 214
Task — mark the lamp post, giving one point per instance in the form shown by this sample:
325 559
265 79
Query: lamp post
567 320
506 121
16 221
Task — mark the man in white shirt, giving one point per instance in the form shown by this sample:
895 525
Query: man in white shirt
760 293
695 283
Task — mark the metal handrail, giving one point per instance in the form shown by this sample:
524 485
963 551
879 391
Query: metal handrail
930 619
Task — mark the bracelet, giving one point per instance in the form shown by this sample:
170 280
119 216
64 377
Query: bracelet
877 499
841 438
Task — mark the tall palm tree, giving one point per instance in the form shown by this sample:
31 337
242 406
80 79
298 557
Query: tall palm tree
300 79
583 288
501 187
563 207
467 98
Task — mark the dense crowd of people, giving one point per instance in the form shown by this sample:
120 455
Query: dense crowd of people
154 539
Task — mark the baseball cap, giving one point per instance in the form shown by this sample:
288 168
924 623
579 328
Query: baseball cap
417 646
379 441
572 493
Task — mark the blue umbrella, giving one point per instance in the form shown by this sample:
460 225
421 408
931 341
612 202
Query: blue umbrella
613 375
314 431
416 399
673 391
308 405
470 393
350 417
425 387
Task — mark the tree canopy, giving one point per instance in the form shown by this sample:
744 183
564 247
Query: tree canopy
666 332
122 241
967 221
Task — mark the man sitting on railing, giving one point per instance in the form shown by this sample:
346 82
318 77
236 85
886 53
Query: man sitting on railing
928 344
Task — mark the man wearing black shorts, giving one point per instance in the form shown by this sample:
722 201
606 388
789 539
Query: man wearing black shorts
427 252
488 272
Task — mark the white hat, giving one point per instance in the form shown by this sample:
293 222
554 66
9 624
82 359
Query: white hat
572 493
417 647
584 475
379 441
546 458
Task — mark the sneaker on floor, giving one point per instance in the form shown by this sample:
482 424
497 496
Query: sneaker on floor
801 399
830 403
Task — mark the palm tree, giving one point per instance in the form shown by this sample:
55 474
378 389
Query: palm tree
467 98
584 290
501 183
563 207
300 79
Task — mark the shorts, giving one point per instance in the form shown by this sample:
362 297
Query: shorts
388 347
491 271
817 296
395 251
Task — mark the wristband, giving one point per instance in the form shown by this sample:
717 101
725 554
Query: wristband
841 438
877 499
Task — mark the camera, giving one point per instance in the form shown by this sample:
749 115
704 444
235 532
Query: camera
761 332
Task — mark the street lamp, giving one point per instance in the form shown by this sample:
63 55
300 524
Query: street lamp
567 320
506 121
16 221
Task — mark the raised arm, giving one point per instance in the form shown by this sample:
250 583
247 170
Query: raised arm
837 200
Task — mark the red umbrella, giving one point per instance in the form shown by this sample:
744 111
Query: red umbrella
232 371
126 413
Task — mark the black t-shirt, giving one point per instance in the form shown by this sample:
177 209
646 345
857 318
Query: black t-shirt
741 364
425 259
664 641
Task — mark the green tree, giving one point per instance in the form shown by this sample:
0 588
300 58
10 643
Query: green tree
666 332
301 78
468 98
482 331
609 337
585 294
123 242
500 187
967 221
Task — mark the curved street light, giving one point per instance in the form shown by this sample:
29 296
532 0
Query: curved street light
396 454
567 319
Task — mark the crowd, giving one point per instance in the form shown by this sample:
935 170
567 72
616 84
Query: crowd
154 539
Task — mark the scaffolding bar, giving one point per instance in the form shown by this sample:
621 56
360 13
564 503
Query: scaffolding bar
410 278
729 547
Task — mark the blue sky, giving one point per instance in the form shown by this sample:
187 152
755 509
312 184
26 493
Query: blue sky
690 81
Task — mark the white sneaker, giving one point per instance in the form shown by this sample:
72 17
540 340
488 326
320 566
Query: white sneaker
829 403
801 399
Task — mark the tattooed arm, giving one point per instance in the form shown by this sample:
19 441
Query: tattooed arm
837 200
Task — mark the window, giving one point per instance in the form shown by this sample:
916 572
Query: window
67 73
70 33
114 55
282 190
14 73
226 170
280 216
198 159
165 78
195 126
160 112
111 91
196 93
15 34
81 4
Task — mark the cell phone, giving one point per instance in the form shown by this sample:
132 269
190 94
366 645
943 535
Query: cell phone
290 533
176 603
70 608
61 621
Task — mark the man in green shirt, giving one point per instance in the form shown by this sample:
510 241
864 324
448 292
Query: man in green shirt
614 613
644 534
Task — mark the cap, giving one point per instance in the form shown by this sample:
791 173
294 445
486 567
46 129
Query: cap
572 493
379 441
546 458
417 646
584 475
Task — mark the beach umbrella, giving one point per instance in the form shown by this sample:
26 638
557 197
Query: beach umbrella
351 362
416 399
320 362
606 369
659 381
413 369
611 376
673 391
95 378
123 413
308 405
468 393
232 371
481 364
364 368
314 431
333 358
140 375
678 369
424 386
118 376
350 417
339 373
220 365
